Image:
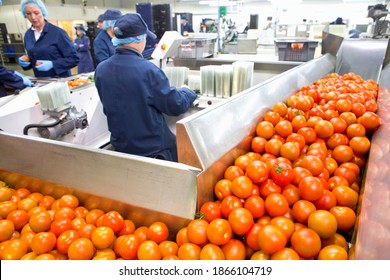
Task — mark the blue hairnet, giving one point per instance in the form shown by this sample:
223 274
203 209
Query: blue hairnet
116 41
38 3
108 24
1 2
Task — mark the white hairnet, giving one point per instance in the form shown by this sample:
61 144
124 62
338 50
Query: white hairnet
108 24
38 3
116 41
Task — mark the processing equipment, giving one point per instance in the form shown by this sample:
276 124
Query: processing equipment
63 117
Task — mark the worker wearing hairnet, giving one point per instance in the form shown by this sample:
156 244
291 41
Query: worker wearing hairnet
12 79
186 27
102 45
135 94
82 44
50 50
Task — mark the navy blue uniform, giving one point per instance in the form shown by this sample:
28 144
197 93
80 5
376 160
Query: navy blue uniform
135 93
84 50
9 78
103 47
186 28
55 45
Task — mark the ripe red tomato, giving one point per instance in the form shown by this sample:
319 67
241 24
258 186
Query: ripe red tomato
211 252
302 210
240 220
271 239
257 171
196 231
149 250
14 249
228 204
255 205
219 232
114 220
311 188
268 187
65 239
282 174
81 249
158 232
60 225
323 223
19 217
306 242
276 205
210 210
333 252
128 246
43 242
242 186
103 237
234 250
189 251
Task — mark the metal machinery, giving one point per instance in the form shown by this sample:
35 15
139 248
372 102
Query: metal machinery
54 100
50 110
209 140
380 27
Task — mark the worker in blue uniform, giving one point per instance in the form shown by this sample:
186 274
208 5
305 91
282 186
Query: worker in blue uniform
186 27
50 51
102 45
82 44
12 79
136 94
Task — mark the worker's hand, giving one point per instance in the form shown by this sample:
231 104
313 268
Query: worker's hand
23 63
44 65
26 81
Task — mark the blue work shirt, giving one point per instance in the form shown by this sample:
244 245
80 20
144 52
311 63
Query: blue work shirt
187 28
55 45
135 94
84 50
9 78
103 47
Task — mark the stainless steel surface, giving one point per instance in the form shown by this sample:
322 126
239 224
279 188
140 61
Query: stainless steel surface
23 110
247 46
212 138
372 235
145 189
330 43
363 57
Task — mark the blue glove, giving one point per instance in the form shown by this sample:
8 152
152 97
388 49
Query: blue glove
23 63
26 81
45 66
18 74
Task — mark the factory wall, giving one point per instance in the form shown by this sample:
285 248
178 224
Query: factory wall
313 11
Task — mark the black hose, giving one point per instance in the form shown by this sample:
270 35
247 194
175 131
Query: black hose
27 127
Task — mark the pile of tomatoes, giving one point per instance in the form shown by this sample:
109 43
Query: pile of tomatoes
292 196
77 82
